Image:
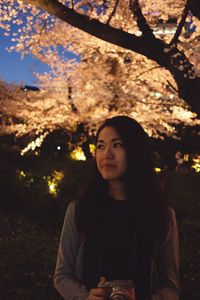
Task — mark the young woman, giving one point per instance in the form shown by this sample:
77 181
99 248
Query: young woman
122 228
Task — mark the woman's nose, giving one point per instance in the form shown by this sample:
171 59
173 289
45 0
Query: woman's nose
109 153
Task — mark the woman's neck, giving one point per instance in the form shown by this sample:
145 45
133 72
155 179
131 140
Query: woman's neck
117 190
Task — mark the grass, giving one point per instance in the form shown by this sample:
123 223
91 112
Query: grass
28 252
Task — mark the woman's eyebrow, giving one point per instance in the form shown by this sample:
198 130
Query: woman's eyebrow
100 141
116 139
112 140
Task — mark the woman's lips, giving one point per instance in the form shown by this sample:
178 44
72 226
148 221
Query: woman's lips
108 166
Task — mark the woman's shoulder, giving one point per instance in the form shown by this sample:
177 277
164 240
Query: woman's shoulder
70 211
69 220
172 214
171 230
71 205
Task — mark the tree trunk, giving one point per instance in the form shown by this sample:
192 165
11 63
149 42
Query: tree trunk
183 73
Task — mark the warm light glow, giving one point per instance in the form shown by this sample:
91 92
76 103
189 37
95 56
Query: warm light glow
53 182
196 163
186 157
22 174
26 177
92 149
78 154
157 170
34 144
52 188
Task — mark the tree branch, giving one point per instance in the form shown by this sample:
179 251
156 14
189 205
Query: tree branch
41 32
173 88
157 67
180 25
104 32
173 59
141 20
113 12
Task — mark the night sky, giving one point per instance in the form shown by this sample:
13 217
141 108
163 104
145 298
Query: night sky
15 70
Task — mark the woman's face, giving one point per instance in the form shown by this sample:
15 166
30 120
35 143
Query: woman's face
110 155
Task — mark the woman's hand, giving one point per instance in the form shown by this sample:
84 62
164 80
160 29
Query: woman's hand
98 293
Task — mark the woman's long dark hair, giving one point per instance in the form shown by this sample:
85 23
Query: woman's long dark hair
149 208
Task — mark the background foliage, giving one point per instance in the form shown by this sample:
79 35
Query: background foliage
31 220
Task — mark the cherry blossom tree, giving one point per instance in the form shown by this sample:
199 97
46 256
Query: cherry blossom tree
119 22
139 58
33 112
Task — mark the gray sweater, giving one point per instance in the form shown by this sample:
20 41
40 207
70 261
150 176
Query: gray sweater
69 266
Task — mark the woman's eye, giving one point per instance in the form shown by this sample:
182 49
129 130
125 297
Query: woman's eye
118 145
99 146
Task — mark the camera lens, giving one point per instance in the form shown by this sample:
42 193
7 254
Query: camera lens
117 296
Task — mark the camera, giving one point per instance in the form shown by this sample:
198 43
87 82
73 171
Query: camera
118 289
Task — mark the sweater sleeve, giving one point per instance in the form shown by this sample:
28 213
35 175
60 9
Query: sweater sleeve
65 279
168 264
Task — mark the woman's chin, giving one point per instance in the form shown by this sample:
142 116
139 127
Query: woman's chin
110 177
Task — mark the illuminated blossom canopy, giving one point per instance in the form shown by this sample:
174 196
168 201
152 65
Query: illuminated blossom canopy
139 58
